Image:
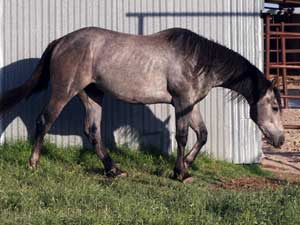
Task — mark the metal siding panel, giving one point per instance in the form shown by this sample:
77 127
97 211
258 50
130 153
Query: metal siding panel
5 60
14 57
213 118
220 103
2 56
227 105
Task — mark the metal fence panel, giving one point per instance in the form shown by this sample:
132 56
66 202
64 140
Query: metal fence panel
28 26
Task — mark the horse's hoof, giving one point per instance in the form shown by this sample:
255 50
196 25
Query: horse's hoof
32 165
116 172
122 174
181 177
188 180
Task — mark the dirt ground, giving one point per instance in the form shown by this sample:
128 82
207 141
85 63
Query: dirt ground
285 161
255 183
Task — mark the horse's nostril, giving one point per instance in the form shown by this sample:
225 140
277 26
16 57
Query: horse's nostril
281 140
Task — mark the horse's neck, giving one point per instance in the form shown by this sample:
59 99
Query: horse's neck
248 84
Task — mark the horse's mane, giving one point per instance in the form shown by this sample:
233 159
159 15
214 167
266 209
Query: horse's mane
211 57
206 54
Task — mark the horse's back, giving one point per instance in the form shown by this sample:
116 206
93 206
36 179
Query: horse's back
134 68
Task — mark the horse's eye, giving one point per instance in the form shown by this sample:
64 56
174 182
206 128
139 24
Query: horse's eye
275 108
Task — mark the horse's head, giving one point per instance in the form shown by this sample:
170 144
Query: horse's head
266 113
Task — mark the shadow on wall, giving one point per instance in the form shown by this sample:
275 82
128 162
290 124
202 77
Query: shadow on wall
119 116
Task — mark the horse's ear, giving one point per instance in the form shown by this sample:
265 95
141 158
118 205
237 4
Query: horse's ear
274 83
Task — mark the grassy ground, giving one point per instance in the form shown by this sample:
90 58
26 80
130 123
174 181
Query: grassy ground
68 188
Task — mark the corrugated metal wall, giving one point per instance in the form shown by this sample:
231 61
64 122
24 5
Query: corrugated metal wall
27 26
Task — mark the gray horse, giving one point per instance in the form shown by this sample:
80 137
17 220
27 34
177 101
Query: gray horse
174 66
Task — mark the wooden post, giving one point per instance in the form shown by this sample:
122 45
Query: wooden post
267 72
284 69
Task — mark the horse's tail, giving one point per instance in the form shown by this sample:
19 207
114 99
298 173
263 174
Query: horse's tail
38 82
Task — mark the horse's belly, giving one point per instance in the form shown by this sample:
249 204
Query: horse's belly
146 90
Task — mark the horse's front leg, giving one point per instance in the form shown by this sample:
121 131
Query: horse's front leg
182 125
197 124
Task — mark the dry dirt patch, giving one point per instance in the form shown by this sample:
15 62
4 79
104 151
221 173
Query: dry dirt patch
285 165
254 183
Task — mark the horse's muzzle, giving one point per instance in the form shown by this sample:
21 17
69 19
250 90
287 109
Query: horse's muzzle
277 140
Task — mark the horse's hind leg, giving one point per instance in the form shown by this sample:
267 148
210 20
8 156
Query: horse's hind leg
92 129
44 123
197 124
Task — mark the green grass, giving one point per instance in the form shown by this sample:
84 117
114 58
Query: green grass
68 188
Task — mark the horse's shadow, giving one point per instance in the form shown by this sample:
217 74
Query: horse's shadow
118 116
